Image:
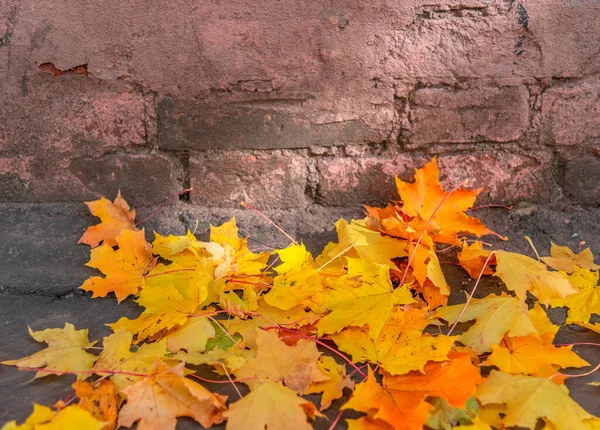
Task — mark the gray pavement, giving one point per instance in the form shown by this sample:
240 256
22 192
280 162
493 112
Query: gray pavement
42 266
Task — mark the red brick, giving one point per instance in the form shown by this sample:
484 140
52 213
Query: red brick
76 115
572 114
490 114
443 44
190 125
505 177
582 179
143 179
265 181
358 181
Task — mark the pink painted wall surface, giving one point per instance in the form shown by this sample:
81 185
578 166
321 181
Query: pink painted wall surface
289 103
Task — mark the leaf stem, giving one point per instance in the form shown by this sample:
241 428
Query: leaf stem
231 380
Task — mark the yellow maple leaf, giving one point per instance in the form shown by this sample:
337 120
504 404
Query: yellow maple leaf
543 326
124 268
158 399
528 398
294 286
368 423
98 398
562 258
186 250
165 308
477 424
495 316
72 417
333 387
123 365
293 257
230 253
400 409
368 243
522 274
191 336
65 352
587 299
295 365
365 296
115 217
269 405
529 355
400 347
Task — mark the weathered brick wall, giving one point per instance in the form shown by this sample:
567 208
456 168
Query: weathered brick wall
288 103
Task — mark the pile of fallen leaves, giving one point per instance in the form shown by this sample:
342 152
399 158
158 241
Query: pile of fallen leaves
350 322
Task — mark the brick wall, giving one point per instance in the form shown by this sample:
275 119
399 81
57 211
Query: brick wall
288 103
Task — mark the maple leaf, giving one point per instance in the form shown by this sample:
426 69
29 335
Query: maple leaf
477 424
165 308
427 271
531 356
563 259
98 399
419 203
587 300
472 258
72 417
521 274
333 387
115 217
368 243
402 410
292 257
124 268
543 325
528 398
295 365
185 250
365 296
269 405
368 423
454 380
124 365
223 361
65 352
495 316
191 336
158 399
230 254
292 287
401 345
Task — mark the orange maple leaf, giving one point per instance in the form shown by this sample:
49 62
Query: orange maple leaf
420 201
124 268
115 217
99 400
472 258
404 410
454 380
